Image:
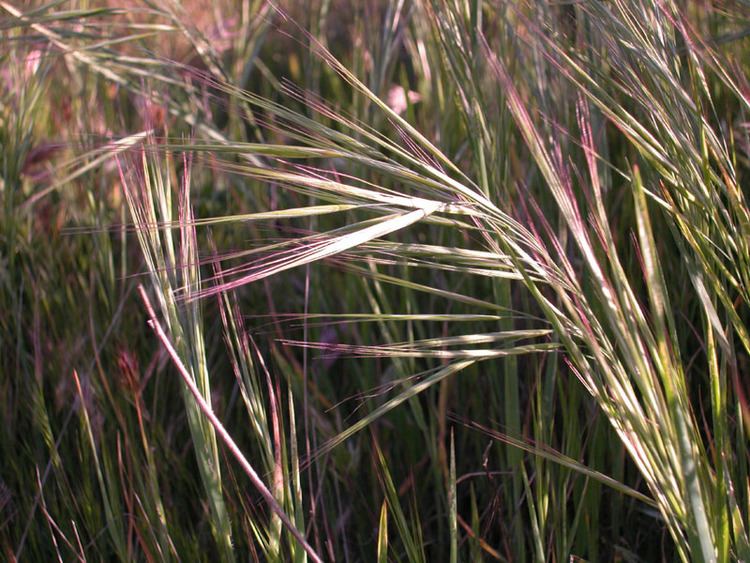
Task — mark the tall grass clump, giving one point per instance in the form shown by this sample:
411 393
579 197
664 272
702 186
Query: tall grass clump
399 280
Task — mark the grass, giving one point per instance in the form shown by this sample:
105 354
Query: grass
419 280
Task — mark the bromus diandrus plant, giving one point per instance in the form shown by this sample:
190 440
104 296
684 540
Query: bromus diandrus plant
480 284
172 260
